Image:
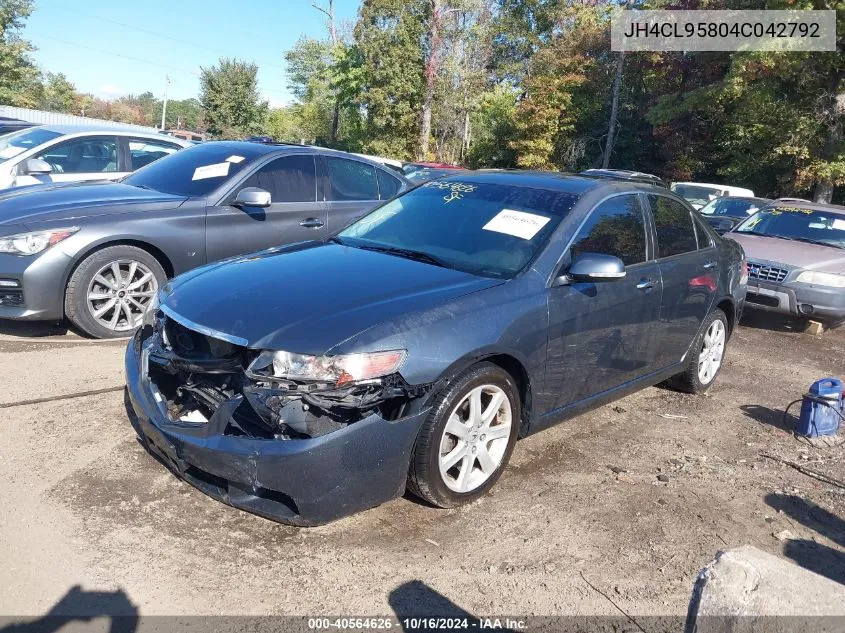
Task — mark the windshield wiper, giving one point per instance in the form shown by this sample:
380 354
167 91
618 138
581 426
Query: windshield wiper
406 253
809 240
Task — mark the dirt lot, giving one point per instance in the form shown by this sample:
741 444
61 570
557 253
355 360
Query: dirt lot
629 501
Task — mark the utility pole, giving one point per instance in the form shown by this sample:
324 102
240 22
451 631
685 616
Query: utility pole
164 108
329 12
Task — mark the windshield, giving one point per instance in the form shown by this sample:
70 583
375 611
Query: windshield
697 195
18 142
732 207
197 170
486 229
794 223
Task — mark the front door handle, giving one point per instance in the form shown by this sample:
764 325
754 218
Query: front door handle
709 265
312 223
645 284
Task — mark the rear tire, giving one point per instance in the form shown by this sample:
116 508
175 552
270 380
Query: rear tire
707 356
108 292
468 437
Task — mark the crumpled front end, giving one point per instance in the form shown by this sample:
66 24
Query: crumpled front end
295 452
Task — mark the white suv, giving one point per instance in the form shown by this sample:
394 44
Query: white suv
67 153
700 193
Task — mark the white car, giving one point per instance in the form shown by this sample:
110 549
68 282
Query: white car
68 153
700 193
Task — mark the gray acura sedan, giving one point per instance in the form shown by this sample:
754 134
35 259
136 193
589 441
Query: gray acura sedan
413 347
98 252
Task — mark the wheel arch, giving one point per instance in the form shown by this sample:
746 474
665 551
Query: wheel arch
510 362
82 255
727 306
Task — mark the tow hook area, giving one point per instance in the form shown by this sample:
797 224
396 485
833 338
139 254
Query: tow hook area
211 387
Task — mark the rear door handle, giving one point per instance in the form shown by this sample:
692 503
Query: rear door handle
645 284
312 223
709 265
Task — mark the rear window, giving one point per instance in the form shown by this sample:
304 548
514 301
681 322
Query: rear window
197 170
486 229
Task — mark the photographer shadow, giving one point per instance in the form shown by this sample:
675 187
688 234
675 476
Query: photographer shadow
78 605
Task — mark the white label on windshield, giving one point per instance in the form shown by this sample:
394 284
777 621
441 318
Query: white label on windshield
234 159
211 171
516 223
839 224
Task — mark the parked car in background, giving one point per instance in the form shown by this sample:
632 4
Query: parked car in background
699 193
796 259
70 153
424 174
724 214
407 168
625 174
98 252
8 125
414 347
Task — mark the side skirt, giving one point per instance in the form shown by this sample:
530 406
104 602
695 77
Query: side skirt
568 411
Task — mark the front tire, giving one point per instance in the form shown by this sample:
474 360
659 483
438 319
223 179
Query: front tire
707 357
108 292
468 437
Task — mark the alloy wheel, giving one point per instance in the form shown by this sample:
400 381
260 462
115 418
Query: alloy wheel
119 293
475 439
712 352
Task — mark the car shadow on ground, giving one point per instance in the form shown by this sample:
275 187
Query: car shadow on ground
762 320
415 599
79 605
821 559
36 329
773 417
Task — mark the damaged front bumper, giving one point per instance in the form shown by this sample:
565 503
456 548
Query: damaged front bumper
263 450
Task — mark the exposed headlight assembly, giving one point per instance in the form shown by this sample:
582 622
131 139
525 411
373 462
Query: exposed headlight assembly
34 242
338 370
822 279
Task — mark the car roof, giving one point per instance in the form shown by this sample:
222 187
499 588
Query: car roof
105 129
553 181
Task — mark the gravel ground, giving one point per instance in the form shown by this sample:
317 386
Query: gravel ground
620 507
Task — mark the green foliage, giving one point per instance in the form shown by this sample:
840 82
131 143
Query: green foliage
230 99
18 74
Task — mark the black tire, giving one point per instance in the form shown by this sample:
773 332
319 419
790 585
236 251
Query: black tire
424 478
76 300
689 381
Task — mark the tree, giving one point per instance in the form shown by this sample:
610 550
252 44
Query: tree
18 74
389 35
230 100
58 94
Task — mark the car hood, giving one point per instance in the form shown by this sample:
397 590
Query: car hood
310 297
59 201
798 254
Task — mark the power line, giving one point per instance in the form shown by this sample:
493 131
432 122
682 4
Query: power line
139 60
154 33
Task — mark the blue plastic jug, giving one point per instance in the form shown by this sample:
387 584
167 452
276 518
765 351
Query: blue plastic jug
821 408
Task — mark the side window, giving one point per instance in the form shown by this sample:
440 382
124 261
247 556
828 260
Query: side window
388 186
351 180
615 227
90 155
673 223
144 151
288 179
704 239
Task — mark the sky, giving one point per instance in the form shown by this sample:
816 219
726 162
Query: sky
117 47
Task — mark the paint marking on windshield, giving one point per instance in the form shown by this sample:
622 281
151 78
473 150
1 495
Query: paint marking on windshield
456 190
779 210
211 171
516 223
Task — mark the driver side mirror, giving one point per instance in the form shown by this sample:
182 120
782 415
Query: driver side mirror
252 197
593 268
35 167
